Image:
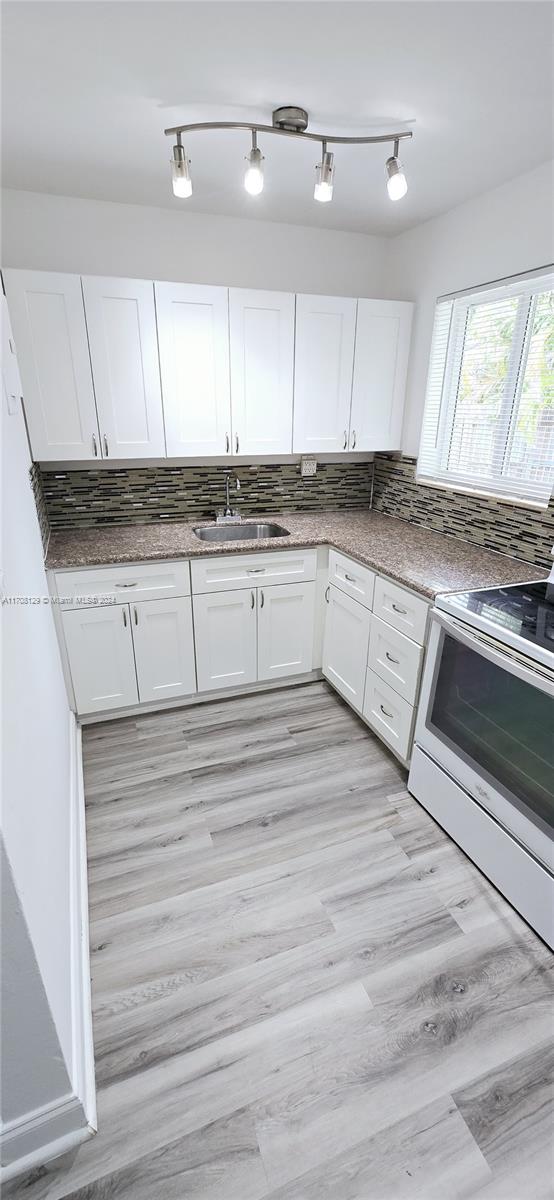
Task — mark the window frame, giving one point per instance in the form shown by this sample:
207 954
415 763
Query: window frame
526 289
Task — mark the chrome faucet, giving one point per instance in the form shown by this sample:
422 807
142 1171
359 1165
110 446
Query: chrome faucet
229 512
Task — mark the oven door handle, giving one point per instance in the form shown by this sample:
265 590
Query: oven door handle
501 656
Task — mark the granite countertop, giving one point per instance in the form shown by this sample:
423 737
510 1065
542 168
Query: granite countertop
423 560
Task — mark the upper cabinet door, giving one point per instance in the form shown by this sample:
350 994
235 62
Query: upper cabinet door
193 333
380 365
262 365
325 332
121 322
48 322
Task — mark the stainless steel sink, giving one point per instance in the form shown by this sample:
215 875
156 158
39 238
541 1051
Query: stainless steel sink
247 531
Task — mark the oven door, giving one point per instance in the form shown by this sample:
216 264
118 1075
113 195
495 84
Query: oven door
486 715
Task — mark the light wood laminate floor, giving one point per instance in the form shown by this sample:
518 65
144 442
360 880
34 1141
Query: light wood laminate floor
302 989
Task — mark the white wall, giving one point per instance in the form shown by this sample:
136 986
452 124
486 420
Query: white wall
500 233
60 233
36 818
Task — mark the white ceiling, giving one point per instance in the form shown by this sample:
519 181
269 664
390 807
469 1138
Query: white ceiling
89 87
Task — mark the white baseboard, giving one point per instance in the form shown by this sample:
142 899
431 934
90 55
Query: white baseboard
65 1121
82 1071
43 1134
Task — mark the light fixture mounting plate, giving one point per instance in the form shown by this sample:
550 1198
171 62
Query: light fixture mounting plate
290 117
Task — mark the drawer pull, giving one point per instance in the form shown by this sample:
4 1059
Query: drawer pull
255 571
387 714
125 585
403 611
391 659
350 578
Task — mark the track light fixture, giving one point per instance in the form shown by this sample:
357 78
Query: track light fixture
288 121
325 174
396 179
254 174
180 172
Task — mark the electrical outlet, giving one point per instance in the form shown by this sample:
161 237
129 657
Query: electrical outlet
308 466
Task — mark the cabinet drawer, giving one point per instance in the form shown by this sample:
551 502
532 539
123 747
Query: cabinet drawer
395 658
119 585
350 577
388 714
401 609
227 572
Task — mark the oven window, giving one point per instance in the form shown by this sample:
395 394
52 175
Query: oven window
499 723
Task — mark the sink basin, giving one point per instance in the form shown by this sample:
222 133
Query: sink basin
247 531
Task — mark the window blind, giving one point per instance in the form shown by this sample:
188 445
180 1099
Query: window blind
488 423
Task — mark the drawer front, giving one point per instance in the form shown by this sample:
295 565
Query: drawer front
119 585
400 609
227 572
395 658
350 577
388 714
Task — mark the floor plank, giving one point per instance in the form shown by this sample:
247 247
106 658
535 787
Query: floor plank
302 990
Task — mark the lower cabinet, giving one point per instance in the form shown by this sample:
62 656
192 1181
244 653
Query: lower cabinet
125 653
99 645
225 634
345 646
253 634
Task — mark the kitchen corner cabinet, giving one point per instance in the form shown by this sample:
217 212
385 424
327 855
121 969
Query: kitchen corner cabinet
324 357
261 329
48 322
383 331
121 323
345 645
193 336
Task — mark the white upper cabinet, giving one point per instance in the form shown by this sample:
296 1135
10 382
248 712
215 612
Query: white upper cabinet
262 366
193 333
325 334
48 322
380 365
121 323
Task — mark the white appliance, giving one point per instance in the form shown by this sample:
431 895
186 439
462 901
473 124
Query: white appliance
483 762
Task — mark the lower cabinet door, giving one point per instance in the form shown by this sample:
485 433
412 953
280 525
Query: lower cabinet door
100 650
225 636
345 646
164 648
285 630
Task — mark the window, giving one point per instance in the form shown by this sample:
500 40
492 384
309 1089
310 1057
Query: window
488 424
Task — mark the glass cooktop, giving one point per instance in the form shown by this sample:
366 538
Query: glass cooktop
523 609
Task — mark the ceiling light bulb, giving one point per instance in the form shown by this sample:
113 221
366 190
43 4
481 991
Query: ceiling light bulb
254 174
396 179
325 174
180 173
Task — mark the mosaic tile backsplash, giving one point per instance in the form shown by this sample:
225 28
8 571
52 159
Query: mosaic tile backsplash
139 495
40 502
521 532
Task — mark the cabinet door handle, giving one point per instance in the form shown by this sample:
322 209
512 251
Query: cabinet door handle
125 616
227 443
262 601
135 610
327 593
383 710
236 443
390 658
345 440
350 578
94 446
252 599
403 611
106 451
353 439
